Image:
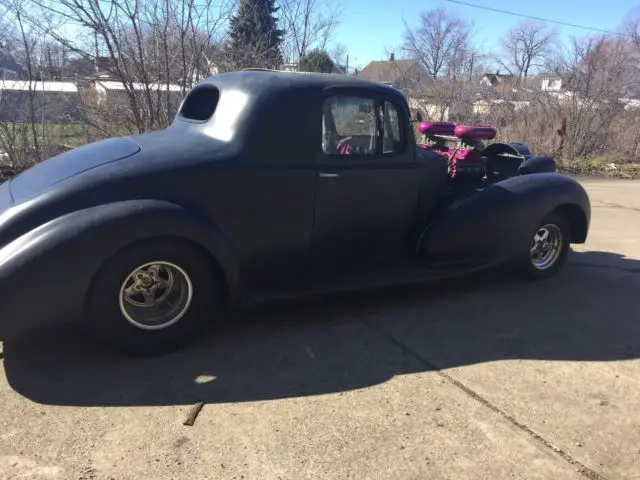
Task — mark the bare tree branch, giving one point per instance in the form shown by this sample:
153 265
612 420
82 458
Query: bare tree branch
526 47
440 42
148 46
308 24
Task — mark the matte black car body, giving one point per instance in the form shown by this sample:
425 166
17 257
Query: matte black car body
252 188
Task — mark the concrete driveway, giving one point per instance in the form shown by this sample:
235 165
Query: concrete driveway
505 379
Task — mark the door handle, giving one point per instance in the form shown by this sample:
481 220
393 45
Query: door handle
328 175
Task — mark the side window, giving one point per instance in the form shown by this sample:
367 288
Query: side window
392 141
349 126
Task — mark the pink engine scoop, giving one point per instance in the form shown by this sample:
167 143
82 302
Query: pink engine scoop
475 132
437 128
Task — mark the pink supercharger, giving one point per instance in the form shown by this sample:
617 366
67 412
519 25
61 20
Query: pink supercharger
459 159
463 132
437 128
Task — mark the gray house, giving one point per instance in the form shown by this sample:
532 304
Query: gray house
10 69
401 73
54 102
498 79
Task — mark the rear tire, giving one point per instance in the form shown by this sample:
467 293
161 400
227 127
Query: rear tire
153 297
548 248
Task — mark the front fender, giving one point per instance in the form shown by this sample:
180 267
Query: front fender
46 271
496 222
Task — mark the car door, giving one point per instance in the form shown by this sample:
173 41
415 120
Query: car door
366 189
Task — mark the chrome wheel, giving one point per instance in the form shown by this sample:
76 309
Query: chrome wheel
155 295
546 247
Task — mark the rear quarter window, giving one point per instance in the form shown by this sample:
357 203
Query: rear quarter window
200 103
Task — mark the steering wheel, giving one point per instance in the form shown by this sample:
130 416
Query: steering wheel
344 147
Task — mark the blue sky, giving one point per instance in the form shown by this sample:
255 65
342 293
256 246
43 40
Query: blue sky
369 27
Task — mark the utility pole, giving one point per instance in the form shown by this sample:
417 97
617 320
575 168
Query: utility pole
471 67
347 66
95 37
63 73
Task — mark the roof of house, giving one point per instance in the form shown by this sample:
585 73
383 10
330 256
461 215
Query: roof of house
120 86
499 78
386 70
37 86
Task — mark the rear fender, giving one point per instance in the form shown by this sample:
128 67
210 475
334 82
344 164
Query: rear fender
495 223
538 165
70 249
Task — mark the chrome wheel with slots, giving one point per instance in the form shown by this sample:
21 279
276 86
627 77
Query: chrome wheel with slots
546 246
155 295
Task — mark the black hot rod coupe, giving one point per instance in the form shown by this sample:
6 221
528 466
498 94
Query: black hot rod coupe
270 184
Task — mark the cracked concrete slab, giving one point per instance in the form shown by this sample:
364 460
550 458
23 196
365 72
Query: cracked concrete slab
615 219
621 193
613 241
357 407
560 357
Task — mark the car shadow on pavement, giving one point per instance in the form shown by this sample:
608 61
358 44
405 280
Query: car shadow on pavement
586 313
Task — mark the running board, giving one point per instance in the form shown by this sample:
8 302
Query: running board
407 275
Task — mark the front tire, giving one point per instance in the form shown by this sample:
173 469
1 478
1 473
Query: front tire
547 250
152 297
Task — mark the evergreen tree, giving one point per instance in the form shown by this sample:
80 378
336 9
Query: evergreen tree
316 61
254 35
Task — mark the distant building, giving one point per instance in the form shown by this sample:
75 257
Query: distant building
104 89
9 67
551 83
104 83
401 73
294 67
498 79
55 102
486 106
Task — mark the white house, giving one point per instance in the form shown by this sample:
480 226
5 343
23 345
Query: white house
551 83
52 101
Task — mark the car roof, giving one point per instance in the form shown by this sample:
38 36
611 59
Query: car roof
263 80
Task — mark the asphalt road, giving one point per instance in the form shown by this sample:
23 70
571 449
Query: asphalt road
498 380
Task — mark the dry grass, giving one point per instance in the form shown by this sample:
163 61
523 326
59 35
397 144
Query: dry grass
601 167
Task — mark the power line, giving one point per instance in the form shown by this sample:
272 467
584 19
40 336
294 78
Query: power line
482 7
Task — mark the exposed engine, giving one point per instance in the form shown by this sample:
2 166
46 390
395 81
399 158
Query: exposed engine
471 162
